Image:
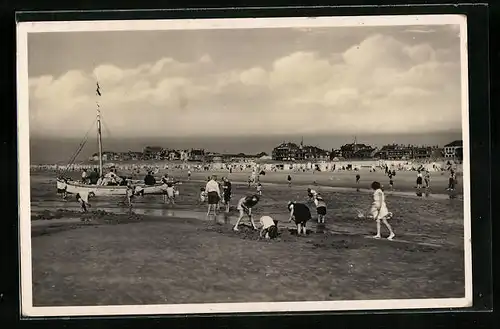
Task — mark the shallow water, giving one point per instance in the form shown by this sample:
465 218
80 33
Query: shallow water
228 218
441 216
44 186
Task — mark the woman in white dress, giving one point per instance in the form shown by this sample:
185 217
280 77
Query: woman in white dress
379 210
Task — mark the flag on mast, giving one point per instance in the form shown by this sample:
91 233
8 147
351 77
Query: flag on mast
98 89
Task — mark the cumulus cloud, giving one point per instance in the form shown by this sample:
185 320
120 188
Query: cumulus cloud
380 85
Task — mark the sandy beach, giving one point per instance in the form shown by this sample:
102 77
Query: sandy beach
173 254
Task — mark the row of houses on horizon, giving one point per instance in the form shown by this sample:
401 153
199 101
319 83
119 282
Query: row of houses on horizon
289 151
160 153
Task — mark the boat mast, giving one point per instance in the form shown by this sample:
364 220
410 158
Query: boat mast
99 139
99 135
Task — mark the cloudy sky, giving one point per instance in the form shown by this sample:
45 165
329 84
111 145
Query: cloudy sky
338 80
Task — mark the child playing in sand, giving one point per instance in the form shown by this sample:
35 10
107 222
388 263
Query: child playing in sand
245 206
320 208
203 195
83 199
269 227
379 210
259 189
311 194
129 194
300 214
169 195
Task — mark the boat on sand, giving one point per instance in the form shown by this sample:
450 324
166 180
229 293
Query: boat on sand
66 185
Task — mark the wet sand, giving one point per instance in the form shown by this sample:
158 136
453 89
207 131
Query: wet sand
173 254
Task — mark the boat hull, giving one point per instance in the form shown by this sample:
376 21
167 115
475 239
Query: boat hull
72 187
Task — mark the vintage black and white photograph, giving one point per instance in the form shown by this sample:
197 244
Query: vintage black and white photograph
244 165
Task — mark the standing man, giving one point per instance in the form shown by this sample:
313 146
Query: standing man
93 176
391 181
149 179
427 179
419 180
226 187
213 195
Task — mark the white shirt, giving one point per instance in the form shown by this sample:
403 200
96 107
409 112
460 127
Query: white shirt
319 203
266 222
170 191
110 175
212 186
84 196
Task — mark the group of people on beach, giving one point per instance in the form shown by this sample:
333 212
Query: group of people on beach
299 212
215 193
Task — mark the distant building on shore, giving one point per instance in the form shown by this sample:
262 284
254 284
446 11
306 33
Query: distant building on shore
173 155
288 151
108 156
228 157
197 155
315 153
154 153
408 152
335 154
454 150
357 151
133 155
213 157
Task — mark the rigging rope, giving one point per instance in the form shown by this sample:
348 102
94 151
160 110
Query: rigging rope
105 126
80 147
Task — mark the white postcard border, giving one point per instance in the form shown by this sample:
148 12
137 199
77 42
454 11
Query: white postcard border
24 28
